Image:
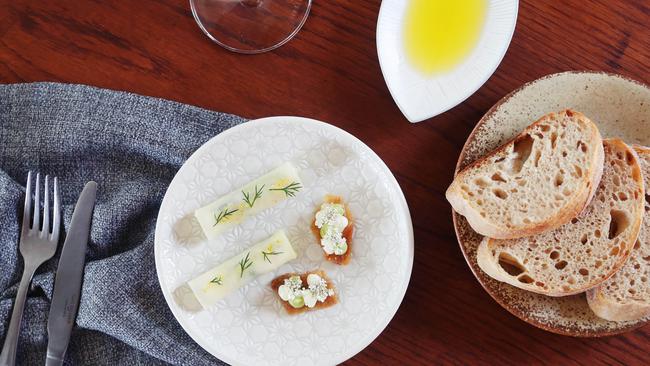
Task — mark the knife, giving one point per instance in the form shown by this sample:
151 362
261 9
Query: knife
69 273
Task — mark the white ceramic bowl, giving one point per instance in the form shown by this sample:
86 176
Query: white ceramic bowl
420 96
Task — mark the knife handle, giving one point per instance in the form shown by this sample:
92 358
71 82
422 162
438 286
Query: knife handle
53 360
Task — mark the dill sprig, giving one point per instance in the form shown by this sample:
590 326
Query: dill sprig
223 214
218 280
244 264
267 254
290 190
258 193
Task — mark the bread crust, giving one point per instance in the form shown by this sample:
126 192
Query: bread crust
611 310
630 309
489 262
580 199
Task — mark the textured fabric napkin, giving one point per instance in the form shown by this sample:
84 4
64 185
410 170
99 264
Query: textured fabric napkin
132 146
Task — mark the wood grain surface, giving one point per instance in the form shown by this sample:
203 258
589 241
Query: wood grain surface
330 72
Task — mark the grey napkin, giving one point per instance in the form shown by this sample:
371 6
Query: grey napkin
132 146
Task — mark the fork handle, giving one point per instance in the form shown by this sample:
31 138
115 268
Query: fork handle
52 360
8 355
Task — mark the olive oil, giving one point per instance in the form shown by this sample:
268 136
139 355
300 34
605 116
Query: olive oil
440 34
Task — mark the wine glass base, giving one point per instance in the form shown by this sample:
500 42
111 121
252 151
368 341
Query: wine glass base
250 26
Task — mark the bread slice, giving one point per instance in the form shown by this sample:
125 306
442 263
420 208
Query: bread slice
348 232
589 248
329 301
538 181
626 295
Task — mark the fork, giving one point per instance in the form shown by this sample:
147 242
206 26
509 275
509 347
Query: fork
37 245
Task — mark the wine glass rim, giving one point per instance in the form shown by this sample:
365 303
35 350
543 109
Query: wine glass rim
244 51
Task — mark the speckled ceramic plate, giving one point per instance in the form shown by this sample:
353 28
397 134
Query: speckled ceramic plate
621 108
251 327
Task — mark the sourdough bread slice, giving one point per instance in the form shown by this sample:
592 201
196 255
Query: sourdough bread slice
585 251
538 181
626 295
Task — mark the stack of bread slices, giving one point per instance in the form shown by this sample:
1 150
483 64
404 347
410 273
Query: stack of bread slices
562 211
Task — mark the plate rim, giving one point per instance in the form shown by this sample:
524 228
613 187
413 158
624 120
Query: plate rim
400 197
471 91
456 216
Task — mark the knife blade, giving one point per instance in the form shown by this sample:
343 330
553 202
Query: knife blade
69 274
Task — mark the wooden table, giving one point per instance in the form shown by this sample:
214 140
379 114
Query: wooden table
330 72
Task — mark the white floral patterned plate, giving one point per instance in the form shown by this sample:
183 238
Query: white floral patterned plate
250 327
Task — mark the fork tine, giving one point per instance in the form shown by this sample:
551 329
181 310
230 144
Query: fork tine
56 212
46 207
36 225
28 203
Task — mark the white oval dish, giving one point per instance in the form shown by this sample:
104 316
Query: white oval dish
419 96
250 327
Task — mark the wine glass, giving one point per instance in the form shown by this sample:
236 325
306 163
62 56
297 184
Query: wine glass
250 26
